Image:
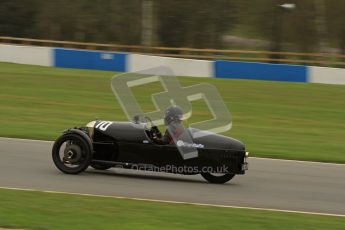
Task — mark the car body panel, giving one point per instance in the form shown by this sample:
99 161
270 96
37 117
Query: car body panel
129 143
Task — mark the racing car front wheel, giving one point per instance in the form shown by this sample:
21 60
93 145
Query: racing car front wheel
216 178
71 153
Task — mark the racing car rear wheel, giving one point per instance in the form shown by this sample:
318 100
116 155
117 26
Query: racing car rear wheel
71 153
217 178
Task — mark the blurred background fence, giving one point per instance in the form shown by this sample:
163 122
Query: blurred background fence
317 59
309 32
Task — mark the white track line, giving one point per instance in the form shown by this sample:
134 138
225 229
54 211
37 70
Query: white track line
24 140
176 202
259 158
296 161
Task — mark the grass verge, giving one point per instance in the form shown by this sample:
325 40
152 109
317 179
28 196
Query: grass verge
39 210
274 119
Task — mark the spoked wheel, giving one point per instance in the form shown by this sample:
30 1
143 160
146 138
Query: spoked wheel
71 153
217 178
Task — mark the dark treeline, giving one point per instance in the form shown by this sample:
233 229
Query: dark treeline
311 26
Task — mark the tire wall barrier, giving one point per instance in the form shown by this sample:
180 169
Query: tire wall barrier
31 55
127 62
177 66
326 75
260 71
85 59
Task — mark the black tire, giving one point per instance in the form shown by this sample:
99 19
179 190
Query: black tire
217 179
80 146
101 166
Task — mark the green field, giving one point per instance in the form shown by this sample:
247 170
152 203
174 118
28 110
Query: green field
274 119
38 210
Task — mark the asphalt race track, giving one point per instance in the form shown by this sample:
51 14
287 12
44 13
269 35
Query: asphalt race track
272 184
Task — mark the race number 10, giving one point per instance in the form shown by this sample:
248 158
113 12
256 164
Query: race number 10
103 125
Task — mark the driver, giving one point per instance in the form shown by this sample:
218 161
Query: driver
173 121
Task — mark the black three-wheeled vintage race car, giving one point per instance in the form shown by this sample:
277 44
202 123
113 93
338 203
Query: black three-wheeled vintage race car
106 144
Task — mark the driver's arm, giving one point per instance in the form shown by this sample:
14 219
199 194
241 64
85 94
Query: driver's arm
163 140
166 139
176 129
